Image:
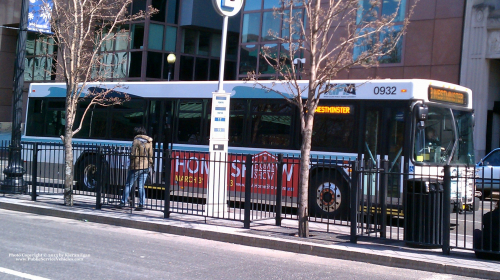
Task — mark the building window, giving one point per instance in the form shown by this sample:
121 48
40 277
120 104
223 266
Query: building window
367 13
201 56
260 28
155 37
40 64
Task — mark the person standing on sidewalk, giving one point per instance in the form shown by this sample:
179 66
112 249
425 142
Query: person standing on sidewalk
141 162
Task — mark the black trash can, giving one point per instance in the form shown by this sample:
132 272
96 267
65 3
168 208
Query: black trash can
424 214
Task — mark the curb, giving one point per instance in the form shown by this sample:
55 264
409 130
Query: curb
242 238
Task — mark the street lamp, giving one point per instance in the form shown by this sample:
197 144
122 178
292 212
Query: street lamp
14 182
300 64
171 61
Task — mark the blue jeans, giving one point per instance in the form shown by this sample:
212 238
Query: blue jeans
132 177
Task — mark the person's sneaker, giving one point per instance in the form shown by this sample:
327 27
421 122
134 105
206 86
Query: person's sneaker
121 205
139 208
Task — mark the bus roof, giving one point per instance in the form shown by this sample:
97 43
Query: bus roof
377 89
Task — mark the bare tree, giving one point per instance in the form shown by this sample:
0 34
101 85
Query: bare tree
81 30
333 36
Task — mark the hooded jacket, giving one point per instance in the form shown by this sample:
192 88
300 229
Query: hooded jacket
141 156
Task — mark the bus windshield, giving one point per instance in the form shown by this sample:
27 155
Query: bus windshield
435 141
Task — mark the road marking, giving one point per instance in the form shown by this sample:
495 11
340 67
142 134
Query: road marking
20 274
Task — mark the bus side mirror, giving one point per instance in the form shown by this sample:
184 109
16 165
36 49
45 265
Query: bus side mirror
422 112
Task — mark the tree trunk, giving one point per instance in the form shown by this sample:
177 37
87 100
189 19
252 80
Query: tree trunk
68 154
305 152
68 168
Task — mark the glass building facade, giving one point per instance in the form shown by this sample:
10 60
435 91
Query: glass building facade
171 30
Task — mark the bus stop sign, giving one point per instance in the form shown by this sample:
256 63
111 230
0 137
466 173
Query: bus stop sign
227 7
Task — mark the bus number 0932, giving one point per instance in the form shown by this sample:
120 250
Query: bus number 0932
384 90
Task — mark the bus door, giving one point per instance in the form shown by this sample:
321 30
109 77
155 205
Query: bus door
381 140
159 122
158 127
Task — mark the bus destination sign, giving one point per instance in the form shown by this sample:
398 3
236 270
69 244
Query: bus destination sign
333 110
447 95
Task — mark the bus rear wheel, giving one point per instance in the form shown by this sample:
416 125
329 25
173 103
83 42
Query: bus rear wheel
329 196
87 175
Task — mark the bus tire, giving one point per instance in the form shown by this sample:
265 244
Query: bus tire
329 196
86 173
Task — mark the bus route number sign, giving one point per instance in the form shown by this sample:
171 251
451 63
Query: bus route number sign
446 95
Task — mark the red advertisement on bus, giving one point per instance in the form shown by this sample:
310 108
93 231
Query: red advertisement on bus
192 169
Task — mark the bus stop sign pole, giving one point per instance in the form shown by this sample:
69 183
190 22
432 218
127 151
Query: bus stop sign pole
219 123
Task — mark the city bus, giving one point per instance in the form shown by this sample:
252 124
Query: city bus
366 120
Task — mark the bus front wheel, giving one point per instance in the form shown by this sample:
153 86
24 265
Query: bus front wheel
328 196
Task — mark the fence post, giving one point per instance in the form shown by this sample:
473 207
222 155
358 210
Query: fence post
446 210
167 159
354 201
279 186
248 191
99 180
34 171
383 198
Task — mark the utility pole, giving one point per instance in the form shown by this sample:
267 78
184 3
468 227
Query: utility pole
14 182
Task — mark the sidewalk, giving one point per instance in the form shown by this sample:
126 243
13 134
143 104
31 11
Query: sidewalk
263 234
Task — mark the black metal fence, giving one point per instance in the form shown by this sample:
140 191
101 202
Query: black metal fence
432 206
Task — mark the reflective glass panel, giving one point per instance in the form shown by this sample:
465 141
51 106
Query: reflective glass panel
201 69
250 29
170 38
248 58
137 36
216 40
28 68
186 68
153 69
269 4
252 5
390 7
366 11
389 37
189 41
270 26
120 65
155 36
267 58
172 14
204 43
135 64
161 6
39 70
122 38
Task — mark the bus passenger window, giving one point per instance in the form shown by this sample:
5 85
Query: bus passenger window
35 123
236 123
55 123
271 125
334 128
189 124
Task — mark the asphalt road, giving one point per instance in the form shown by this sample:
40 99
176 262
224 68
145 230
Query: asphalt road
52 248
464 223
